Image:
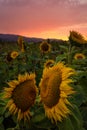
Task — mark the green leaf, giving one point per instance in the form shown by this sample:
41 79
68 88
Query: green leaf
83 110
45 124
79 97
65 48
1 127
1 119
39 115
61 58
2 103
66 124
40 120
73 121
83 82
2 110
7 114
76 118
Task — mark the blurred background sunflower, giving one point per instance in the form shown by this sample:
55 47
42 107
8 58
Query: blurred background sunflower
55 89
14 54
45 47
79 56
21 95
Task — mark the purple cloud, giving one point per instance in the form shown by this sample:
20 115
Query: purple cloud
41 2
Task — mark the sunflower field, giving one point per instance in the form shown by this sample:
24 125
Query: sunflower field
43 86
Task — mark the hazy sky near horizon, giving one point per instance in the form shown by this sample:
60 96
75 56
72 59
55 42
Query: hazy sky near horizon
43 18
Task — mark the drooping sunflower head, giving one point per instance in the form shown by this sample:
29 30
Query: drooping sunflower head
48 63
20 40
21 43
55 89
22 48
76 37
45 47
21 94
14 54
79 56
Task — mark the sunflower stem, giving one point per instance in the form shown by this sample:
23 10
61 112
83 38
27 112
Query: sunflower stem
17 126
69 55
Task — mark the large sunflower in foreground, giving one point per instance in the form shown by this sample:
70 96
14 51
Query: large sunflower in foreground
14 54
45 47
21 94
79 56
55 89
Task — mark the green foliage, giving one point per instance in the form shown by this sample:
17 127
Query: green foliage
32 60
73 121
40 120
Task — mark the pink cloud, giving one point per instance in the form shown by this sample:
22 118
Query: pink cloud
31 16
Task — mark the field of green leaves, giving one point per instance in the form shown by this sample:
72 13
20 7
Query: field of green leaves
43 86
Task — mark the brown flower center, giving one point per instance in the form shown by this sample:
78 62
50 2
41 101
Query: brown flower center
79 57
49 64
50 91
45 47
14 55
24 95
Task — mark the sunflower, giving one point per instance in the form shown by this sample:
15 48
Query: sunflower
21 43
20 40
54 91
21 95
14 54
76 37
22 48
49 63
45 47
79 56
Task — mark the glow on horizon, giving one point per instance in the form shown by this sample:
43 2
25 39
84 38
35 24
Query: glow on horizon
59 33
46 35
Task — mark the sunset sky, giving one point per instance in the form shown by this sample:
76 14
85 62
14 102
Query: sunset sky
43 18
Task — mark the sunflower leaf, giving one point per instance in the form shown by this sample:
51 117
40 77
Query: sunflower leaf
40 120
1 127
83 110
66 124
1 119
61 58
76 118
73 121
2 110
39 115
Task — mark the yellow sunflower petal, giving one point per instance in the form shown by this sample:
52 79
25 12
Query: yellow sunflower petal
15 111
21 78
11 84
12 108
55 89
10 103
21 95
19 115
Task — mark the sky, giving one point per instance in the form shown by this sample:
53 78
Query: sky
43 18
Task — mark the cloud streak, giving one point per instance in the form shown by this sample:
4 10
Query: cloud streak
41 2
